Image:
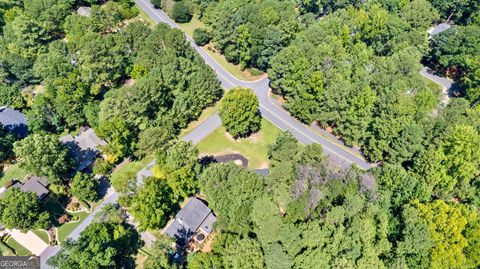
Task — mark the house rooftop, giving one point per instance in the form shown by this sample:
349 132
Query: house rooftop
84 11
14 120
442 27
194 216
35 184
84 147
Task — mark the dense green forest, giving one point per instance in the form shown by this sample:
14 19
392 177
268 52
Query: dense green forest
109 70
308 213
350 66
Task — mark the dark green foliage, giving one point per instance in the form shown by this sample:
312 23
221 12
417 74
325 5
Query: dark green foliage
22 210
457 49
239 112
44 155
85 187
326 76
181 12
458 11
102 245
250 33
201 36
172 76
156 3
6 143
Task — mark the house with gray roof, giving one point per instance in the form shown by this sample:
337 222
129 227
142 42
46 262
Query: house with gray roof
437 29
14 120
84 11
194 221
38 185
84 148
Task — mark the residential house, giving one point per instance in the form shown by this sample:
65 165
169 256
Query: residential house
35 184
437 29
194 221
14 120
84 148
84 11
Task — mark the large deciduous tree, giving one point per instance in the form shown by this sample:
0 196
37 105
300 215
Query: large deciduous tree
22 210
239 112
43 155
85 187
153 204
231 191
101 245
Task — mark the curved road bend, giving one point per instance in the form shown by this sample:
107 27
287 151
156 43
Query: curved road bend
268 108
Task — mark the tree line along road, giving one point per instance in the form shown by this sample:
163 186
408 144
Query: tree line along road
268 108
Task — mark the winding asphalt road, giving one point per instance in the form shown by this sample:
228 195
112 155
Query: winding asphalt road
269 109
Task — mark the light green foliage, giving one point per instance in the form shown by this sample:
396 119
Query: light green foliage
84 187
178 166
231 191
239 112
43 155
10 96
22 210
100 245
243 253
152 204
161 254
454 164
446 224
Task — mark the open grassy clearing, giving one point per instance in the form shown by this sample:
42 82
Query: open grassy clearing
42 234
66 229
13 172
254 148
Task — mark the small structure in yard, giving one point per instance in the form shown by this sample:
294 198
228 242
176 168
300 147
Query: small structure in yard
38 185
84 148
84 11
14 120
194 222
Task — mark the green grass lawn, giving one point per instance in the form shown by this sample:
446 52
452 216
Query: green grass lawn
131 167
12 172
42 234
191 25
67 228
19 249
5 250
253 148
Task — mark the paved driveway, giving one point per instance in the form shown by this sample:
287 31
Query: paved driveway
30 241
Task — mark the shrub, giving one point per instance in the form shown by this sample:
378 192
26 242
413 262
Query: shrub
181 12
256 72
157 3
101 167
201 36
